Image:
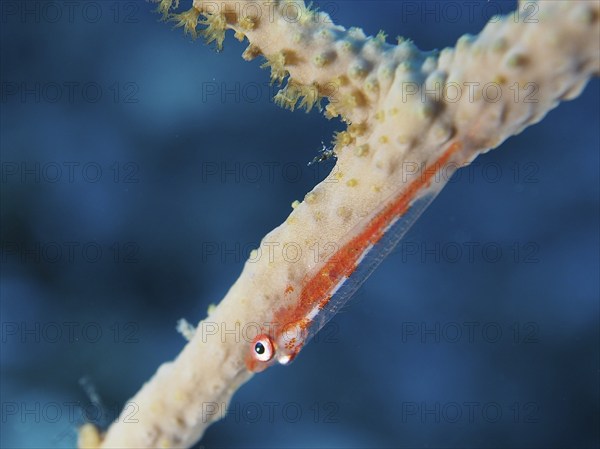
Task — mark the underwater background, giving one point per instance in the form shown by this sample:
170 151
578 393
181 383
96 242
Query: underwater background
139 169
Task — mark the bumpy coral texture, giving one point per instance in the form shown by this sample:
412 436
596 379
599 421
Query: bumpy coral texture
402 106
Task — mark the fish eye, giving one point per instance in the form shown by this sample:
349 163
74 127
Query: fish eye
262 348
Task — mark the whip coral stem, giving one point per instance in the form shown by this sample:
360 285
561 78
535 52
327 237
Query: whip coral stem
403 110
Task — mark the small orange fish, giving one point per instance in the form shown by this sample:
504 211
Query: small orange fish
325 291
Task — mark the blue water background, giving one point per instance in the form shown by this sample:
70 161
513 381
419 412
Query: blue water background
480 330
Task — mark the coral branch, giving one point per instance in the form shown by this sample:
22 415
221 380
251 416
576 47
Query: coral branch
402 106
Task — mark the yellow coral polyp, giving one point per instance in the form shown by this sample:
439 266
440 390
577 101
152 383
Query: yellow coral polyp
251 52
322 59
347 46
381 37
361 150
380 116
306 14
188 20
164 6
247 23
308 96
331 112
277 64
357 129
310 198
372 86
343 139
288 96
347 103
216 25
